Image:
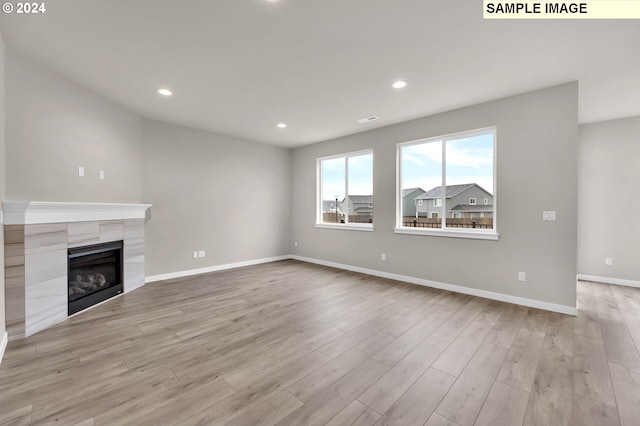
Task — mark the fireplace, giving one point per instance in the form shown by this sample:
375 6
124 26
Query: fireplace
94 275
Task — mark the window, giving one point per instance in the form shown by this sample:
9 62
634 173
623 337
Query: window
419 202
346 182
456 170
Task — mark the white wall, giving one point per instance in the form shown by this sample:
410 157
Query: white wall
609 200
215 193
536 171
54 126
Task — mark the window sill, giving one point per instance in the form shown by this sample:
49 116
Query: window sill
476 235
347 227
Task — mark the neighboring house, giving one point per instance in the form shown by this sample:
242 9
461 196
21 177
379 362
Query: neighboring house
468 200
408 200
329 206
358 205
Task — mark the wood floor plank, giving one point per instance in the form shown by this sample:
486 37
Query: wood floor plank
587 412
519 368
355 414
628 300
417 404
334 399
437 420
550 402
461 350
351 339
384 393
464 401
505 405
626 384
17 416
405 343
559 334
591 377
505 330
321 378
460 320
269 411
619 345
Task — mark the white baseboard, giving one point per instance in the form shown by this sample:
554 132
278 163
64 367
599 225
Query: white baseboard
3 345
532 303
199 271
606 280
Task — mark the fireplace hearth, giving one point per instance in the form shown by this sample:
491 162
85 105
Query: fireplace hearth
94 275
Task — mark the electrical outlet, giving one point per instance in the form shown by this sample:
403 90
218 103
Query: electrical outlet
522 276
201 253
383 257
195 254
101 174
549 215
80 171
295 244
608 261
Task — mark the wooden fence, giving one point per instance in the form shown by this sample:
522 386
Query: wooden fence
427 222
339 218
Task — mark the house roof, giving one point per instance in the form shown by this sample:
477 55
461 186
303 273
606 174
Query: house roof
361 199
472 208
408 191
452 191
363 209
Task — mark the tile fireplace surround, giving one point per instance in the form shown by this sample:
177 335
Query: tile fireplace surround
37 236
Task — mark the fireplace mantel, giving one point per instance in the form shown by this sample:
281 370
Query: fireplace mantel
38 212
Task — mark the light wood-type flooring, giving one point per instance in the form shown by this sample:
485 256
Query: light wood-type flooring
291 343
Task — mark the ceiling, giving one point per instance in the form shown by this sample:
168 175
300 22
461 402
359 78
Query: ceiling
238 67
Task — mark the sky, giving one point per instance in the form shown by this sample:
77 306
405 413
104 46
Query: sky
469 160
360 176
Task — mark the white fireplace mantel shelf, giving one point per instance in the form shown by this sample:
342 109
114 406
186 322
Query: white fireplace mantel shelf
35 212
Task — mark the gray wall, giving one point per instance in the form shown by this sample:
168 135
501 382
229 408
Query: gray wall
211 192
2 180
537 136
54 126
608 199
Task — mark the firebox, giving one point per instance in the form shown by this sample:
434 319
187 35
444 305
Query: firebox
95 274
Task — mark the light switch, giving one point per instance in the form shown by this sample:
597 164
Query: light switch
80 170
548 215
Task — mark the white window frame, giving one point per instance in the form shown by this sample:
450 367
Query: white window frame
483 234
437 202
419 202
472 201
347 225
486 201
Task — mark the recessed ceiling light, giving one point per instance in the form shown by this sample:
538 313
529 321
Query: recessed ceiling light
368 119
399 84
281 125
165 92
